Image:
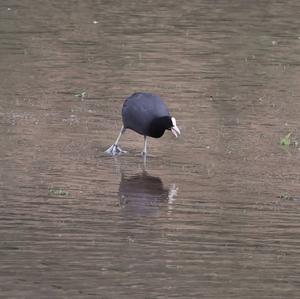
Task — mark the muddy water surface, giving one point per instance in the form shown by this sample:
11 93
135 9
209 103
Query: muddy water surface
213 214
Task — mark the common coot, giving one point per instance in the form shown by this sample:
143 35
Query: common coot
146 114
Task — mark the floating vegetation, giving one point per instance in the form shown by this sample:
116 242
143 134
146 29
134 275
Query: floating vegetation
286 140
81 94
55 191
287 196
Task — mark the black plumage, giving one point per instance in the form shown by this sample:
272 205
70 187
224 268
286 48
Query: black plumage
146 114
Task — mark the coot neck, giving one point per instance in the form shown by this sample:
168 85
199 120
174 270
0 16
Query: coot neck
159 125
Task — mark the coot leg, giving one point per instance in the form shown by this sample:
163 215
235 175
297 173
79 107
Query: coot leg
144 152
115 149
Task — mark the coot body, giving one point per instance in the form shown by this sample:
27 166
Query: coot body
140 110
146 114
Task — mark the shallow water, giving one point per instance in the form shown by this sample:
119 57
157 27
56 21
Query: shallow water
212 214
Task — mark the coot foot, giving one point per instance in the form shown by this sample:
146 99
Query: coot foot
115 150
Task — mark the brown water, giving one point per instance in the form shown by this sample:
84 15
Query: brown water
213 214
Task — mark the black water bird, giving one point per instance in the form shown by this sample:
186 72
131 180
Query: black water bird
146 114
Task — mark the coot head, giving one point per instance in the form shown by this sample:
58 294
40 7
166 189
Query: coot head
159 125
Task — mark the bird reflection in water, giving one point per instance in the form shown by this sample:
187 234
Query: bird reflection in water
143 194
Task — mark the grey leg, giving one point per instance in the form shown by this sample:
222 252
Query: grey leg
115 149
119 136
144 152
